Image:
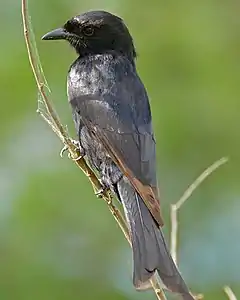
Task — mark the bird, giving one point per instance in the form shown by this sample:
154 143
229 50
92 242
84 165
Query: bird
112 117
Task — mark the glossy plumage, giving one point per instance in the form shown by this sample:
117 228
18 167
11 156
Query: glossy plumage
112 117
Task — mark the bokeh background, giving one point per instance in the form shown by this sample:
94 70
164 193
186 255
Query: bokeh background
57 241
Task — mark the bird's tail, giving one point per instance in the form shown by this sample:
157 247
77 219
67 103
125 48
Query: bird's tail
150 253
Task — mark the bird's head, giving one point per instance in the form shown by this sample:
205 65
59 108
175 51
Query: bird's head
95 32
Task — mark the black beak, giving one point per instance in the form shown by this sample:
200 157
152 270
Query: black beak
56 34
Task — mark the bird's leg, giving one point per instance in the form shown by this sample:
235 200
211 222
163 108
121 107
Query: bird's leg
103 190
110 175
78 146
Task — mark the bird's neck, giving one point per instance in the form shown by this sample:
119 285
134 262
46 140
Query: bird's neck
111 56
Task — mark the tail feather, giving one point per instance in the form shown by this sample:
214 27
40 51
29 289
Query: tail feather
150 253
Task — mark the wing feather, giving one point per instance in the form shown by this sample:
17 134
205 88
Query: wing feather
131 148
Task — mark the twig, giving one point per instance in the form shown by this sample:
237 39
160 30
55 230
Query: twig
199 180
229 293
175 207
158 291
53 121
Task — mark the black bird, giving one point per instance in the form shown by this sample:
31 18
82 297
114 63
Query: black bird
113 121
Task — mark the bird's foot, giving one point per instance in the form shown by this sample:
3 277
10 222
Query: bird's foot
78 146
63 150
103 190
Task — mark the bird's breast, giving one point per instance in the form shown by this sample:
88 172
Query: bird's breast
89 80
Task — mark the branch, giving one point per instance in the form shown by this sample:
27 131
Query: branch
187 194
229 293
50 116
176 207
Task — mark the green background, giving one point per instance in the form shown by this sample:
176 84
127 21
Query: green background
57 241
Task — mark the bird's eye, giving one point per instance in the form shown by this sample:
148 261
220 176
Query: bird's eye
88 30
70 26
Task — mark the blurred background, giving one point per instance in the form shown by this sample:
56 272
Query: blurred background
57 241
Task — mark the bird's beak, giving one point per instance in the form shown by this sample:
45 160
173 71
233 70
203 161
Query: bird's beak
56 34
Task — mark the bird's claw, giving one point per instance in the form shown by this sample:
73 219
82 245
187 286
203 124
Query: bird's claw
102 191
77 144
109 201
75 158
63 150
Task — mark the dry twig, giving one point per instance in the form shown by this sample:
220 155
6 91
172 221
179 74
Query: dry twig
176 207
229 293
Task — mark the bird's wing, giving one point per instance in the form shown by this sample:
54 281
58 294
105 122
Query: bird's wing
130 144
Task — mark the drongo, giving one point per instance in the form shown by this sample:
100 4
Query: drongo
112 116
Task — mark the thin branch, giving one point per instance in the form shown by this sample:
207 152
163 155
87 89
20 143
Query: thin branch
38 74
199 180
174 232
54 122
229 293
158 291
175 207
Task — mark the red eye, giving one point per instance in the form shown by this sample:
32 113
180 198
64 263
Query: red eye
88 30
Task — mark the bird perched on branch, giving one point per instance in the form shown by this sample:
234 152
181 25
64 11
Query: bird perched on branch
113 121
